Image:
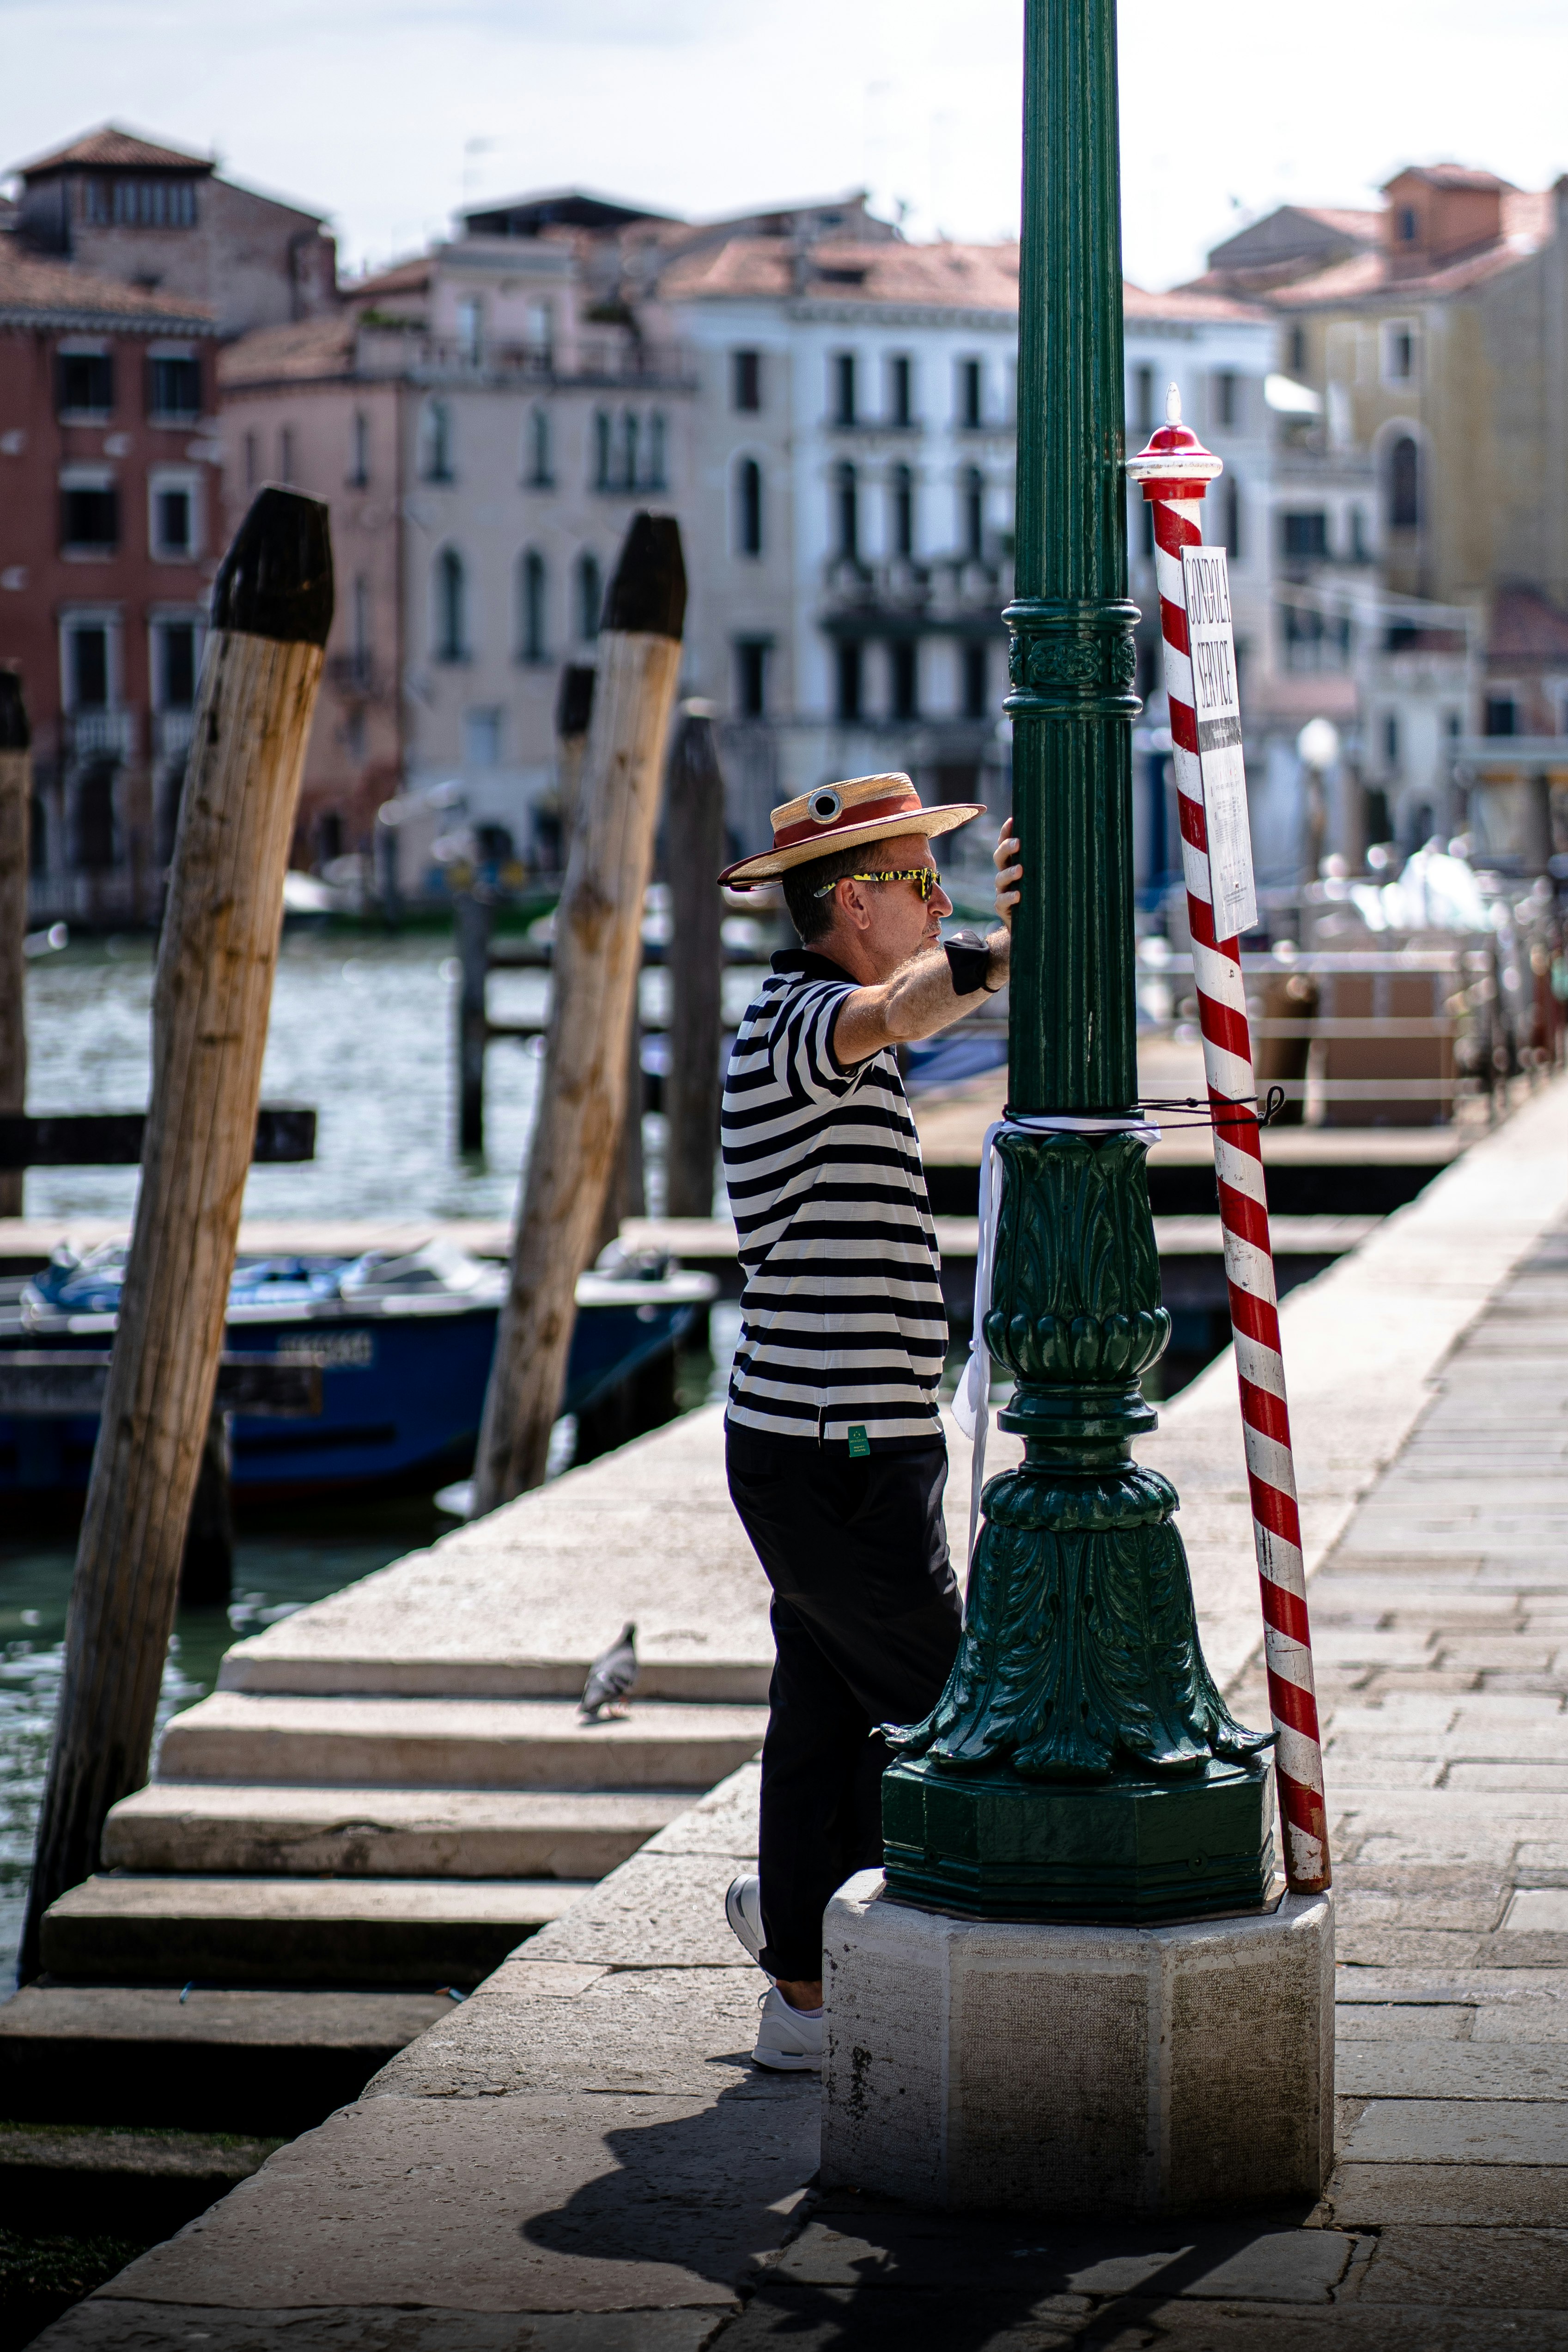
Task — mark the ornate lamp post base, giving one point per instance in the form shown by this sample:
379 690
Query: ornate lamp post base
991 1847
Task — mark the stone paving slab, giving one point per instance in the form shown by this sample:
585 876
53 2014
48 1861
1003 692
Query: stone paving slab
1430 2067
153 2327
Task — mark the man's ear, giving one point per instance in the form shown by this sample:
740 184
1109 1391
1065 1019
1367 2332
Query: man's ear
854 906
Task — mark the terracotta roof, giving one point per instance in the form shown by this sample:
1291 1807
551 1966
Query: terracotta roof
950 277
946 277
113 148
1449 175
404 278
1527 224
1187 302
303 353
57 289
1526 628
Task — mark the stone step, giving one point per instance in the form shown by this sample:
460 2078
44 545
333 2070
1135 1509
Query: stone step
578 1833
128 2185
476 1743
205 2059
310 1671
278 1930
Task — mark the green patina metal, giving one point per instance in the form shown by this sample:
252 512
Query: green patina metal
1081 1762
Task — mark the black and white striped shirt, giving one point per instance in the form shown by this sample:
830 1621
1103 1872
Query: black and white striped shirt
843 1328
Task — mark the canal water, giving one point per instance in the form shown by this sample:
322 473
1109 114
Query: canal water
362 1029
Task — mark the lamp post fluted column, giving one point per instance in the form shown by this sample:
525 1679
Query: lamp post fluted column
1081 1763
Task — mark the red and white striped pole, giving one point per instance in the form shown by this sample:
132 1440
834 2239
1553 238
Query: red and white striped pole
1174 471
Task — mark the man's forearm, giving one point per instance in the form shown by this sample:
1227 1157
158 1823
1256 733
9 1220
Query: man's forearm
917 1001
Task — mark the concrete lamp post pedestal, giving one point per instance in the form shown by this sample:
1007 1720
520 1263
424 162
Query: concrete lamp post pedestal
1007 2065
1077 1985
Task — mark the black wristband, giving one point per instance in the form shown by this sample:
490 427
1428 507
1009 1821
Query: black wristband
969 960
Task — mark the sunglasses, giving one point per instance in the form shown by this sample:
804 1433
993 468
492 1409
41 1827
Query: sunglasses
924 878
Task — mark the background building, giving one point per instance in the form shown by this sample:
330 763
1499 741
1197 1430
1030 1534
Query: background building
109 532
166 222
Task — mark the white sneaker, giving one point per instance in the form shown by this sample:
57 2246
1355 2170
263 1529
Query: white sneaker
744 1910
789 2041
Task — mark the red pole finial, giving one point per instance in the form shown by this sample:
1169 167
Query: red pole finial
1174 464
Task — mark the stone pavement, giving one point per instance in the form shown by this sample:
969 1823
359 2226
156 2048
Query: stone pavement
580 2159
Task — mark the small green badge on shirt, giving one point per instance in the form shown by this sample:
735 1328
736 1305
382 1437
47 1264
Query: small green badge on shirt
860 1443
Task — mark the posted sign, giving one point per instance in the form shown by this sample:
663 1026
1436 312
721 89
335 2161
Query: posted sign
1217 708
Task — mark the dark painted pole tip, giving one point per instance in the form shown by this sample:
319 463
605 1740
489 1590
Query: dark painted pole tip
574 702
15 732
277 579
647 595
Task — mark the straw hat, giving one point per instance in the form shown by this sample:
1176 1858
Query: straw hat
843 817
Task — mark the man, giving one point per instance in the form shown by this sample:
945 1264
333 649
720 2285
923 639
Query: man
836 1455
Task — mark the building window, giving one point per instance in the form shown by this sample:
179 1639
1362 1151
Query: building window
540 477
976 679
629 450
174 520
602 431
748 507
362 629
87 666
658 438
1404 485
140 203
541 332
252 461
901 388
85 385
971 498
174 390
359 451
451 607
1398 351
436 430
971 386
1390 739
844 387
746 381
1298 351
174 665
1360 552
905 664
1406 223
1304 537
1143 399
851 670
481 738
285 454
531 606
1230 516
1226 397
89 516
590 595
903 503
846 494
1501 716
750 678
471 328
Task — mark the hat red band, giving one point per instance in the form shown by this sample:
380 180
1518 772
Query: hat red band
865 812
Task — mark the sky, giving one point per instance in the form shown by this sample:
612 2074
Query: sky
390 114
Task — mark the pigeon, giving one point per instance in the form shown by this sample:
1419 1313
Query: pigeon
610 1677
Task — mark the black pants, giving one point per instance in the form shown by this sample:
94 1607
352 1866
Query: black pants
865 1618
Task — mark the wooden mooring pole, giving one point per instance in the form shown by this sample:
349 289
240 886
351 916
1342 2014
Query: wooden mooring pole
598 955
694 832
574 717
473 919
15 809
272 606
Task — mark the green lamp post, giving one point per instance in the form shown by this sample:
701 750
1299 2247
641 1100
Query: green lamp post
1081 1763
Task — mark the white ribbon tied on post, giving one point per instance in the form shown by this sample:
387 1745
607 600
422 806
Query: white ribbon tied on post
972 1399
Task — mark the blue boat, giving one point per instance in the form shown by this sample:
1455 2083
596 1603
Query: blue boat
404 1345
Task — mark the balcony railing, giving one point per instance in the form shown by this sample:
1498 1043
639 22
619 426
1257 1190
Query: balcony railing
591 360
172 733
98 734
